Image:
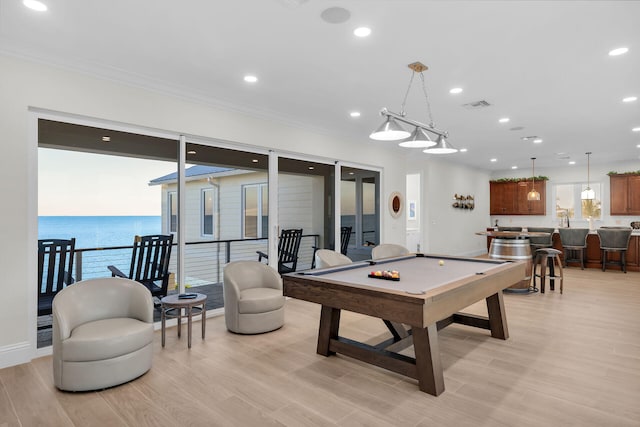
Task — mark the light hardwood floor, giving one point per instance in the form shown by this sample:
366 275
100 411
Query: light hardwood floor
571 360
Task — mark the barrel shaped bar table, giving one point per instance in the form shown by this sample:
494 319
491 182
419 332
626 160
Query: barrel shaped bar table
513 246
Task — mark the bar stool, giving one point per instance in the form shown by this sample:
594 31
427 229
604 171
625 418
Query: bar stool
548 257
574 241
614 239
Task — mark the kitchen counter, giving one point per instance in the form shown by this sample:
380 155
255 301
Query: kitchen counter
593 256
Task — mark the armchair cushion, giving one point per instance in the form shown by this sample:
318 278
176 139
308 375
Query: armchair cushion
107 338
260 300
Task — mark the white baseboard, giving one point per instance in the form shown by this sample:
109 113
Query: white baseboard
15 354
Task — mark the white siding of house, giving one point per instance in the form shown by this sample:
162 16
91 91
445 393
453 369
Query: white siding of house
300 200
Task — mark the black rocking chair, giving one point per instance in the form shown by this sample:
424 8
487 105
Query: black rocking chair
149 263
288 247
345 236
55 266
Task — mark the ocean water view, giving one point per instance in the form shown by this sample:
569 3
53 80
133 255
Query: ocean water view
99 232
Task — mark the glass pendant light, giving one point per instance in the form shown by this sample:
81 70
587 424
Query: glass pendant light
533 195
588 193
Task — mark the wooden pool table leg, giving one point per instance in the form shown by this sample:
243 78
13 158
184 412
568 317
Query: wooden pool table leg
428 363
329 323
497 316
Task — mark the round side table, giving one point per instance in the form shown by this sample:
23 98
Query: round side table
172 306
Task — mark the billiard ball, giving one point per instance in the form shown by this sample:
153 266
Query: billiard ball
441 262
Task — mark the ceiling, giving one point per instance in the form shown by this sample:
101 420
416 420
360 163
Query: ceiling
543 64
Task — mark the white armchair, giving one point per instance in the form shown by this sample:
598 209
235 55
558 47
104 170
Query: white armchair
328 258
253 299
102 333
388 250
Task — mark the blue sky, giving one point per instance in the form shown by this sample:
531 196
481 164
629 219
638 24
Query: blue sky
78 183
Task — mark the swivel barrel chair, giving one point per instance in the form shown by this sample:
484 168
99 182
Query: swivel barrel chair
253 299
102 333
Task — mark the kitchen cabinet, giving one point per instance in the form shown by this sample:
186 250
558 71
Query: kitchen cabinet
624 192
510 198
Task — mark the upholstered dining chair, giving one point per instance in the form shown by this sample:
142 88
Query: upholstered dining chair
614 240
574 240
540 242
253 299
102 333
328 258
388 250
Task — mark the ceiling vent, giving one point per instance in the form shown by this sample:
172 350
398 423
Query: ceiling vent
476 105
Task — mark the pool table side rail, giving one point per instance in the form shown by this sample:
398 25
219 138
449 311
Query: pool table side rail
370 301
396 305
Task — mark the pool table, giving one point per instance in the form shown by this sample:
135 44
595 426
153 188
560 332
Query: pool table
431 291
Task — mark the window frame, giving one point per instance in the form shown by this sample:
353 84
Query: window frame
578 187
260 186
203 208
172 225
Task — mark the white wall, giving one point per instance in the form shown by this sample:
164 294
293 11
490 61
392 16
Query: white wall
451 230
26 84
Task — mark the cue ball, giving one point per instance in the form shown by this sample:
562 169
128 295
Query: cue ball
441 262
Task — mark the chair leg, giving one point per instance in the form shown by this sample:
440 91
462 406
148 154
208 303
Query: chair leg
623 260
604 258
559 262
543 272
581 250
536 260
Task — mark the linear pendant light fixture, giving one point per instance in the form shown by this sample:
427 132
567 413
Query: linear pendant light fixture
533 195
390 130
588 193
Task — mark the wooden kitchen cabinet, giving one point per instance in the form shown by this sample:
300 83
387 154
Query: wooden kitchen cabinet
624 191
510 198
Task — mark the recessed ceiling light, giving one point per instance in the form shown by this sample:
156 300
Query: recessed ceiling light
463 150
35 5
514 167
636 129
311 168
572 162
618 51
191 152
456 90
362 31
352 173
250 79
537 141
106 138
254 160
630 99
494 160
504 120
355 114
